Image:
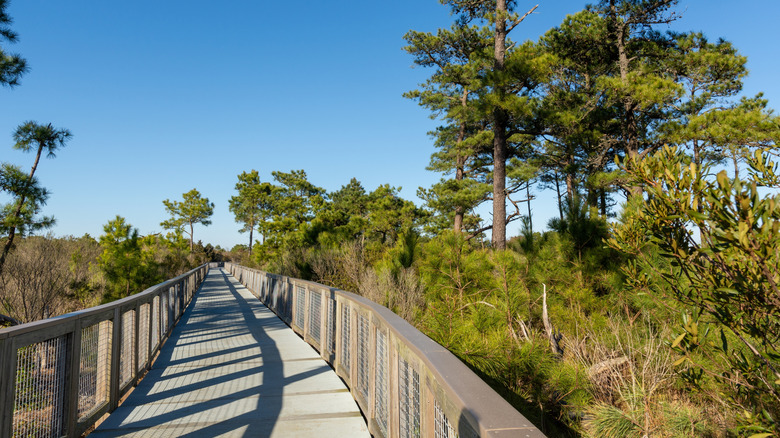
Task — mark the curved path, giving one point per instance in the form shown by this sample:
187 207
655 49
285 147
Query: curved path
233 369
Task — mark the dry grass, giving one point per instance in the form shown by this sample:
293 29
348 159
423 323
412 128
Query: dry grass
401 293
633 386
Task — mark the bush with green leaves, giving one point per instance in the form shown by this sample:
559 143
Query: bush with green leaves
722 238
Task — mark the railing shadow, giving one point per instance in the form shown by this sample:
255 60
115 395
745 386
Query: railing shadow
404 383
91 358
211 389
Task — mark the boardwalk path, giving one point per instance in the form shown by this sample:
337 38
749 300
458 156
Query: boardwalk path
232 368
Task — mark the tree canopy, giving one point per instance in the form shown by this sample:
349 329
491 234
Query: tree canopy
252 205
193 209
12 66
27 196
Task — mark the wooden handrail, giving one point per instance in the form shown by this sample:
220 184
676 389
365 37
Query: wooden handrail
416 387
58 376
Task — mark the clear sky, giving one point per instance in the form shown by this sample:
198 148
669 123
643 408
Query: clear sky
163 96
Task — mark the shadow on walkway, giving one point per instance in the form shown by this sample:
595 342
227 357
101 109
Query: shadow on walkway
232 368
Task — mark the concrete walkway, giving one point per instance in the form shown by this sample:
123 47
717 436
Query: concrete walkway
233 369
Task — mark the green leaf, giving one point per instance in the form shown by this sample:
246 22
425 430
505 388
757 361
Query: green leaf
677 341
760 435
728 290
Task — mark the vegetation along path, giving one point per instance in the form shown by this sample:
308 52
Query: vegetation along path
232 368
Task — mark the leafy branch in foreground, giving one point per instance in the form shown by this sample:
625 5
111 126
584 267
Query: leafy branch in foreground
728 275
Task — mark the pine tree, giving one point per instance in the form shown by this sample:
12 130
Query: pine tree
193 209
576 124
640 90
505 78
121 260
252 205
29 136
12 66
450 93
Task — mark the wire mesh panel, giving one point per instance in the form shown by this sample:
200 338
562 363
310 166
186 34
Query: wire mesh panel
300 304
315 316
127 349
346 330
442 427
39 390
282 304
155 328
169 308
281 298
273 295
143 335
286 289
408 400
278 297
331 326
362 356
380 382
178 294
94 367
163 314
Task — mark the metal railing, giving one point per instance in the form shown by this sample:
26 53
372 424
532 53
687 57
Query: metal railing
58 376
406 384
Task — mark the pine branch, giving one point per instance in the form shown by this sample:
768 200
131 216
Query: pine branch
520 20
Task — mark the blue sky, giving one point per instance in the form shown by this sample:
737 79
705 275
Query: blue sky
166 96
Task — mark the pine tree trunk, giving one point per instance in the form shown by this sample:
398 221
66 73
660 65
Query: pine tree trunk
457 225
528 197
569 186
558 191
460 164
603 199
12 231
499 188
629 118
499 134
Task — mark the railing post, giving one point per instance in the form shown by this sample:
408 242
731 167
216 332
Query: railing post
149 324
179 292
116 343
137 344
171 309
371 351
179 299
393 416
72 380
324 329
353 349
337 338
7 379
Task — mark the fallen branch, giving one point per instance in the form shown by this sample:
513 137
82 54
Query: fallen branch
553 335
606 365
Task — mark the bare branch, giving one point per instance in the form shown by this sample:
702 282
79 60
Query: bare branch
520 20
